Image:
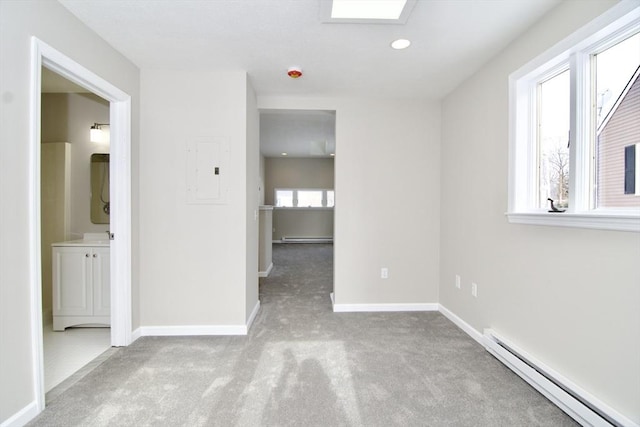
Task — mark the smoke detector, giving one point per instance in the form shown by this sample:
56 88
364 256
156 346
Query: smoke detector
294 72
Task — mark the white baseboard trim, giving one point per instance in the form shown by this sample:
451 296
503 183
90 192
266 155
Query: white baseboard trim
22 417
267 272
189 330
352 308
473 333
137 333
576 402
253 315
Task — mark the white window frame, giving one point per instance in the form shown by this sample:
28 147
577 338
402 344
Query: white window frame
295 198
575 51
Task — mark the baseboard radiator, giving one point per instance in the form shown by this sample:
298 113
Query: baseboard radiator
306 240
577 403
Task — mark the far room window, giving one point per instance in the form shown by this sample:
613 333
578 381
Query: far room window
284 198
574 129
309 198
304 198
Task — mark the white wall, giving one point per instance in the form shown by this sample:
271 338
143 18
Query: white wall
387 214
262 178
50 22
193 257
254 199
567 296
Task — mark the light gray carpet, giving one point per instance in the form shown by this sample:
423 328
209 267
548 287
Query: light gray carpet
303 365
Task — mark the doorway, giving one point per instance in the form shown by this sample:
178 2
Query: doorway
298 149
119 250
74 171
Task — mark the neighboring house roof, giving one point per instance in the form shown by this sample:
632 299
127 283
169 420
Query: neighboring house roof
621 98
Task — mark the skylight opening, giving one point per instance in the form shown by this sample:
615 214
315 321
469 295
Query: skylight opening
367 9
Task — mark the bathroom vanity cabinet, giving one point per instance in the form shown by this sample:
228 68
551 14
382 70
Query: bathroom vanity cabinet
81 284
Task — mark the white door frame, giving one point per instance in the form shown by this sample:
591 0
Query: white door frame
120 196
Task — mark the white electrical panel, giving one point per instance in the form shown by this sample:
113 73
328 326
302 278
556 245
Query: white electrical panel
207 171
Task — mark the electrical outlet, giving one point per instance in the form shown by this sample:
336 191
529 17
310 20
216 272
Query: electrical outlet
474 289
384 273
458 281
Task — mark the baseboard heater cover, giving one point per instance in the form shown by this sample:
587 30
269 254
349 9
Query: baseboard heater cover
577 403
307 240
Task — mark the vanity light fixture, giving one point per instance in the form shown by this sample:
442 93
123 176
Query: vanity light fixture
95 133
400 44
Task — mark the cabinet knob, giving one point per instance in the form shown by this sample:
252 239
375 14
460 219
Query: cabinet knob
95 255
86 255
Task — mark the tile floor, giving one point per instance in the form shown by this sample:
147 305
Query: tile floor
66 352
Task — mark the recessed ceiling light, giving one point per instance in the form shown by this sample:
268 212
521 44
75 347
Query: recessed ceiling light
400 44
367 9
283 154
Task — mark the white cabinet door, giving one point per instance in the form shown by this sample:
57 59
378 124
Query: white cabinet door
72 293
101 282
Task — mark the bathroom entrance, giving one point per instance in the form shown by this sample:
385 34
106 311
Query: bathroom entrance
75 217
100 288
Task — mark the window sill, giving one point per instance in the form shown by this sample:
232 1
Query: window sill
300 208
595 220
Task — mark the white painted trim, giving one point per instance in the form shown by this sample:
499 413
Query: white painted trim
536 378
467 328
44 55
349 308
622 222
35 233
120 225
618 22
253 315
137 333
267 272
190 330
23 416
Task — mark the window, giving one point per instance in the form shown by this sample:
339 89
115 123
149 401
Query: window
304 198
309 198
574 128
284 198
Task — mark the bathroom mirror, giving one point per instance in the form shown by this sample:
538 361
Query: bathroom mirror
100 206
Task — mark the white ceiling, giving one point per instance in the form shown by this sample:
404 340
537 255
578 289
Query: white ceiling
450 40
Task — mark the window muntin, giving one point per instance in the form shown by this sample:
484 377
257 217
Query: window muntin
303 198
576 53
331 201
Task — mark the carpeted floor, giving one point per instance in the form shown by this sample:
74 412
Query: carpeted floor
303 365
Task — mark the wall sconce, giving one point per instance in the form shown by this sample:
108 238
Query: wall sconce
96 134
